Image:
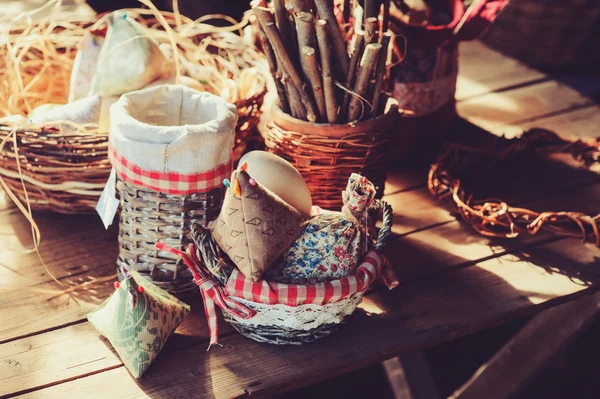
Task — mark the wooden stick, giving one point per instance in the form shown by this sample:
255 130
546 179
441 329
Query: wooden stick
380 74
365 70
294 39
283 23
385 19
297 108
275 71
356 55
309 60
301 5
307 40
371 28
331 104
267 21
347 11
371 9
325 11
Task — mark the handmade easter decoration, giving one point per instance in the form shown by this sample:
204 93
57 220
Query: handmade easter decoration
137 319
129 59
307 304
280 177
55 63
332 244
84 65
68 117
170 147
255 225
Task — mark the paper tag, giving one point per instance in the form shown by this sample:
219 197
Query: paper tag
107 204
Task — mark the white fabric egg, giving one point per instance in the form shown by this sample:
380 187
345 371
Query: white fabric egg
279 176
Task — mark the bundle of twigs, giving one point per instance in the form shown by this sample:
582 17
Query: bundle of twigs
317 79
495 217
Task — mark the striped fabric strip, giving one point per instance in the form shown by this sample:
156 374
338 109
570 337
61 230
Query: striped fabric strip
317 294
168 182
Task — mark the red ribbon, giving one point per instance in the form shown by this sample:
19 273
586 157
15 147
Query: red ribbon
211 292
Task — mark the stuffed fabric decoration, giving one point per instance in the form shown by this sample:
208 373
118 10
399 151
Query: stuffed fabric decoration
330 247
255 226
84 66
332 244
129 59
80 112
137 320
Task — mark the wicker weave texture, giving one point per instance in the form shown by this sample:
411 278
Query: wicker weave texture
325 155
66 173
63 173
148 217
548 33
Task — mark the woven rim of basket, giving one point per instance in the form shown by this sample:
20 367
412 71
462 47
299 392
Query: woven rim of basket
496 218
68 172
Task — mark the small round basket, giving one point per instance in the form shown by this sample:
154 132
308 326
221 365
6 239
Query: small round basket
149 216
325 154
281 324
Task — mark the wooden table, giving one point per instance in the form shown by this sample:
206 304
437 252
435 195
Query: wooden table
453 282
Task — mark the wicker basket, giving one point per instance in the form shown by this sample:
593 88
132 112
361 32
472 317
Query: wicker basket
326 154
67 173
63 173
308 327
549 33
148 217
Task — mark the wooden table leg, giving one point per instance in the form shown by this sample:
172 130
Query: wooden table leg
530 350
409 376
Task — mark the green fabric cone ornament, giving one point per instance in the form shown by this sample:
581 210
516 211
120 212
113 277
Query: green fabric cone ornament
137 320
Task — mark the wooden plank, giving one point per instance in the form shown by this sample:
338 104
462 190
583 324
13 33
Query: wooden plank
410 377
581 123
424 253
523 105
417 209
482 70
70 245
46 359
412 316
531 349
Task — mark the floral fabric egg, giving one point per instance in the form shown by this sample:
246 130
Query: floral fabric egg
329 248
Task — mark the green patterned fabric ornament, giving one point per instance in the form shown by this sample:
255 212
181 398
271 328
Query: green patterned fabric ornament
137 320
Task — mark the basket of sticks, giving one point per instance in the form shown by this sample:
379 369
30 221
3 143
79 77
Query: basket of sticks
65 171
281 313
333 116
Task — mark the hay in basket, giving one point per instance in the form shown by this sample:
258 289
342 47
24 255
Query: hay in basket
65 172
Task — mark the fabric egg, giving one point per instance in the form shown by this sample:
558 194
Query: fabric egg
280 177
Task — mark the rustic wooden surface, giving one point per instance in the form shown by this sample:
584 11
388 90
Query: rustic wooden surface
453 281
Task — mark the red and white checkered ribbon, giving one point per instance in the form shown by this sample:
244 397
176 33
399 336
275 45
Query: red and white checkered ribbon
317 294
211 292
168 182
270 293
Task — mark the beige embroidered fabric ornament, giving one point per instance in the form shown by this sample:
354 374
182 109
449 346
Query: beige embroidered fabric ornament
129 59
255 226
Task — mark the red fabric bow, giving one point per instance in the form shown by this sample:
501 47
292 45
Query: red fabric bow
211 292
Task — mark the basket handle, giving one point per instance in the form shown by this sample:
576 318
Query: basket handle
388 222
